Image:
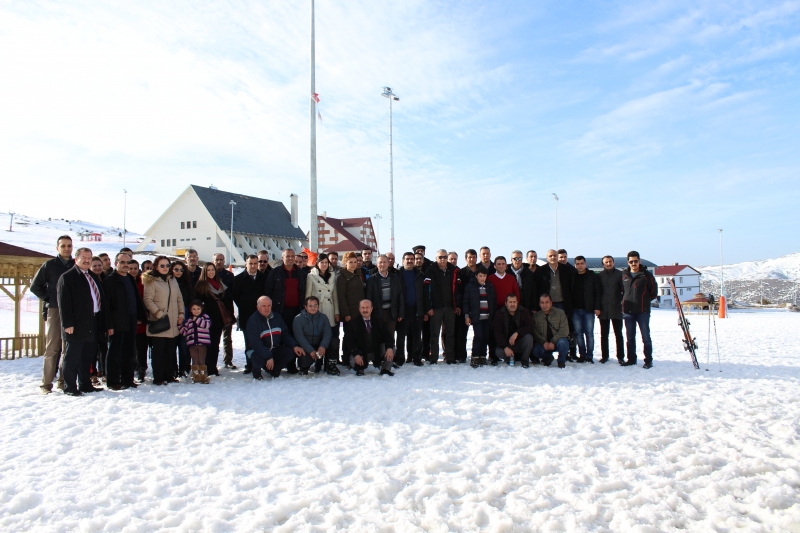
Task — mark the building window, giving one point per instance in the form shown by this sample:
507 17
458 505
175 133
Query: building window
681 292
681 279
194 239
162 243
173 242
194 223
182 226
188 224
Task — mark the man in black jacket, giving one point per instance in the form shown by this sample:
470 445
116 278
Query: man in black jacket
639 288
442 280
248 287
555 279
385 292
586 304
513 332
409 329
43 287
124 310
286 287
226 277
611 310
367 339
528 286
80 300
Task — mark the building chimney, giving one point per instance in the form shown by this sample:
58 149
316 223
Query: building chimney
676 264
293 198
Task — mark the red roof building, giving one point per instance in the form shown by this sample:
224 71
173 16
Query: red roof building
345 234
687 282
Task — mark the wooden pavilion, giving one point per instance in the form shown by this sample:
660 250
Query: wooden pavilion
18 266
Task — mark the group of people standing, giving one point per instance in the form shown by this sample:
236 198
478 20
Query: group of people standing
109 316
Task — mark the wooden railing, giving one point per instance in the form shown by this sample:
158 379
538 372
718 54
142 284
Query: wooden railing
26 345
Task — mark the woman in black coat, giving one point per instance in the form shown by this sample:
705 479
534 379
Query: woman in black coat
179 272
210 290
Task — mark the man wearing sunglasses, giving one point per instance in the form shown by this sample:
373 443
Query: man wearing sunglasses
443 281
124 310
639 286
526 282
263 263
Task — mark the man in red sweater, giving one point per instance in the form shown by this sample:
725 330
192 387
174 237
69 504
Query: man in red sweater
504 284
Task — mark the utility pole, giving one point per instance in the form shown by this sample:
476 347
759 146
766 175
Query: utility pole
387 93
230 261
313 239
11 224
378 217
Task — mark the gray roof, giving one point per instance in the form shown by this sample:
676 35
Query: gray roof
254 216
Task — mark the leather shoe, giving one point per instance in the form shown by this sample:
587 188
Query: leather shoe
231 366
648 366
628 363
90 389
419 363
603 360
73 393
562 365
115 386
359 372
130 386
525 365
385 372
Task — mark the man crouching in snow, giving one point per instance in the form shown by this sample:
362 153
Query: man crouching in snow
272 344
367 339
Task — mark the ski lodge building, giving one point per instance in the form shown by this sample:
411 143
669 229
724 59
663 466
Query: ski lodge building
687 282
200 218
344 235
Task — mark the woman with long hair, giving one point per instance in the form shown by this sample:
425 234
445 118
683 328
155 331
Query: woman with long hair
162 297
210 290
179 272
321 282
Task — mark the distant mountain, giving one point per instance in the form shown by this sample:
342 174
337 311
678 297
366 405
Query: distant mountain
40 234
782 268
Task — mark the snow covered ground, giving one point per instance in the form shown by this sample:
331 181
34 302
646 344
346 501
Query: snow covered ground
589 448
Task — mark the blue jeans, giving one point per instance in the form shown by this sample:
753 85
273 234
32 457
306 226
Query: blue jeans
481 329
643 320
584 327
546 357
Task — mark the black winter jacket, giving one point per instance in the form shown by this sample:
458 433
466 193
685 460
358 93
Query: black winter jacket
565 275
524 322
611 283
245 292
76 306
45 282
435 279
355 338
639 289
274 286
472 300
592 291
529 292
115 305
398 298
211 307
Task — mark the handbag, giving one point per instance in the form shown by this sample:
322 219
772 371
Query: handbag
227 317
162 324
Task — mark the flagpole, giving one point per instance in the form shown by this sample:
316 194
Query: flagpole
313 242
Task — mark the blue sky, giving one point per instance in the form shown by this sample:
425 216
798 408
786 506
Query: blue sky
655 122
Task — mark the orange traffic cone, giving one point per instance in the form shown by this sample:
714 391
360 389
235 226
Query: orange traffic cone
723 307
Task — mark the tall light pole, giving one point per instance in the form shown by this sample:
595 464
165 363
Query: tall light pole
721 270
230 262
11 223
378 217
387 93
124 220
556 197
313 240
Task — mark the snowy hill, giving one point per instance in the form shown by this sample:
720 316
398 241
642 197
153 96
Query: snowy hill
784 268
40 234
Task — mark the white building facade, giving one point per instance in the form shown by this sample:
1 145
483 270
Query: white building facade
687 283
200 219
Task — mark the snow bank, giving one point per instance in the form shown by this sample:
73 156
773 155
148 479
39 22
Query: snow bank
442 448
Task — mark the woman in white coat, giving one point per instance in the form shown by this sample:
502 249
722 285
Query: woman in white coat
321 282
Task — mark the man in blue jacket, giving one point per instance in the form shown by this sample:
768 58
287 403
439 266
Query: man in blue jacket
273 347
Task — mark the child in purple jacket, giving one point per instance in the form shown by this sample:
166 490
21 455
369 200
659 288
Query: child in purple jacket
195 331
